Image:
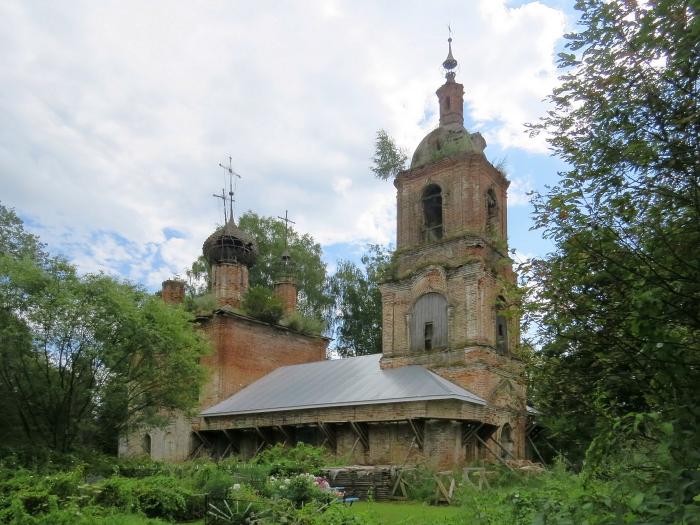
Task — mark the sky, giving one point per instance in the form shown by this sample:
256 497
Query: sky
115 115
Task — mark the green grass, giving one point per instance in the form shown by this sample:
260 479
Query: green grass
405 513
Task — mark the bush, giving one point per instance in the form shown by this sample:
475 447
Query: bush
299 490
285 461
155 496
306 325
263 304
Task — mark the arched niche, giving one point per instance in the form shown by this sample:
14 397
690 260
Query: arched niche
146 444
429 322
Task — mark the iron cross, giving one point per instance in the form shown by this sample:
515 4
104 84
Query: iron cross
231 199
286 220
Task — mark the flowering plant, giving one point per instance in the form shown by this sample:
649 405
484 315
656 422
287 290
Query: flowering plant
300 489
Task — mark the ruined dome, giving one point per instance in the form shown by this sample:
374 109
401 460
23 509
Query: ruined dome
230 244
446 141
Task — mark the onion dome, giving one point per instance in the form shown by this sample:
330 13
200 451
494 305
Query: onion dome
447 141
230 244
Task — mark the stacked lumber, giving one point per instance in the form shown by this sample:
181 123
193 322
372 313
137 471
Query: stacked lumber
359 480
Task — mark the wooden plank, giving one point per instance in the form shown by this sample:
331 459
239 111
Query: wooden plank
499 458
234 444
501 446
534 447
469 433
418 433
287 439
361 433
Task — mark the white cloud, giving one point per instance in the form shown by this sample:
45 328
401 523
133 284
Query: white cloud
114 115
519 189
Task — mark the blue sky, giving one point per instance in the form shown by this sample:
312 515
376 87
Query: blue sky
114 116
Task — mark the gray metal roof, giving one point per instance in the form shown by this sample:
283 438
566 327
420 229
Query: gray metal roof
339 382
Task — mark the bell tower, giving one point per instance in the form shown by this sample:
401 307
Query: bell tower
447 305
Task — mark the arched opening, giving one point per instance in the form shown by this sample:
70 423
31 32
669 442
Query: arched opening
432 213
507 441
146 444
429 322
501 326
491 210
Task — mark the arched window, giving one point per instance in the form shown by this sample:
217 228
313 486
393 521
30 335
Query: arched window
146 444
501 326
491 210
429 322
507 441
432 212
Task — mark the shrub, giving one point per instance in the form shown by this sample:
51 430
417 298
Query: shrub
284 461
299 489
263 304
155 496
306 325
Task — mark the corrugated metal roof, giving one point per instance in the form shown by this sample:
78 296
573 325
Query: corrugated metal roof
339 382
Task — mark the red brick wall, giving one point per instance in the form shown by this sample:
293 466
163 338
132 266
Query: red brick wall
246 350
173 291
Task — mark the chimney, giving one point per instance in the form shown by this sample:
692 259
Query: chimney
173 291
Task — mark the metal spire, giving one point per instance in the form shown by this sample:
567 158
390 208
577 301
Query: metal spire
230 199
450 63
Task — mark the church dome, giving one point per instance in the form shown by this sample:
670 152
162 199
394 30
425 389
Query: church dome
230 244
446 141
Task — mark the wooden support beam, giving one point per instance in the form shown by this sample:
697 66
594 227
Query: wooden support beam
234 444
287 438
328 434
534 447
201 438
501 447
469 430
499 458
361 431
418 432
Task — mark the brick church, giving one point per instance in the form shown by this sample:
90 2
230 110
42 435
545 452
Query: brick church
447 388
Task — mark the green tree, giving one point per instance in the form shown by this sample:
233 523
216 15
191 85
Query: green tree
357 320
309 272
389 159
618 300
262 303
87 355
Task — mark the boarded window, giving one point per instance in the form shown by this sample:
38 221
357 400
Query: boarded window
491 210
507 441
501 326
432 213
429 322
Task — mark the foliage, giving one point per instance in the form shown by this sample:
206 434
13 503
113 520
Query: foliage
83 356
299 489
617 301
201 304
309 269
358 303
263 304
286 461
389 160
304 324
155 496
